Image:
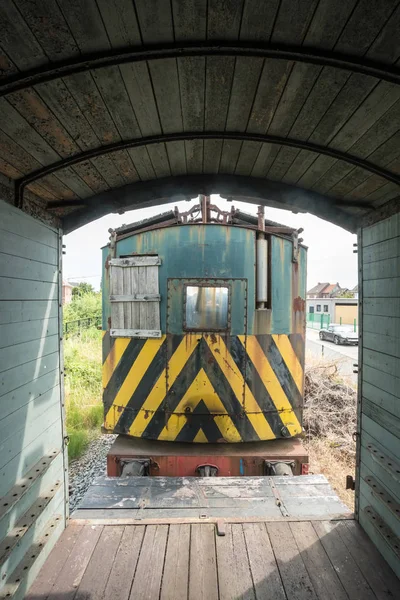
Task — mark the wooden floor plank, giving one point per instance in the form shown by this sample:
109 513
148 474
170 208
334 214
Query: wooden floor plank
266 579
203 579
52 568
71 575
371 563
322 574
346 568
234 577
296 581
176 569
99 568
147 581
124 567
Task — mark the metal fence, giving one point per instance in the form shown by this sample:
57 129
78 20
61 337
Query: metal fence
318 320
79 325
321 321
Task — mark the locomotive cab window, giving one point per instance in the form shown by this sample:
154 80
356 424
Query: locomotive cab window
206 308
134 297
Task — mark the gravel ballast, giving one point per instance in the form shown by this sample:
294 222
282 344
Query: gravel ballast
83 470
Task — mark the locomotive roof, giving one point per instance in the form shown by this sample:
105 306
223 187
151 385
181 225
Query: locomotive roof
172 218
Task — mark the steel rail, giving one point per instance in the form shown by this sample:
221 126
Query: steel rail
316 56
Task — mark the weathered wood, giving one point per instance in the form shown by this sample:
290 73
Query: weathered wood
382 362
382 343
124 566
322 574
55 563
380 251
381 389
29 389
17 333
176 567
349 574
95 578
74 568
387 439
295 578
203 578
147 581
381 578
265 575
234 578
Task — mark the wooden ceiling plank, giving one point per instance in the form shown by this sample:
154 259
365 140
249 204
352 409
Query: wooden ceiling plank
212 156
41 192
328 22
155 21
247 157
272 83
62 104
318 170
165 80
112 89
71 179
264 160
47 23
30 105
15 126
140 91
300 83
159 160
190 20
91 176
164 75
374 106
244 86
282 163
354 92
141 160
384 194
258 19
386 47
366 188
192 85
229 156
219 75
299 166
58 188
363 117
125 166
365 23
89 100
18 41
106 165
224 19
85 22
177 157
374 141
329 83
120 21
292 21
194 152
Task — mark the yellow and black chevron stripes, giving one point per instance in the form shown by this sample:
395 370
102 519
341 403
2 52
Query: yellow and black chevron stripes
204 388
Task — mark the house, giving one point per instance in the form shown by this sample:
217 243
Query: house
324 290
334 310
66 292
355 292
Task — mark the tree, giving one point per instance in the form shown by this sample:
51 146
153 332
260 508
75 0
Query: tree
82 288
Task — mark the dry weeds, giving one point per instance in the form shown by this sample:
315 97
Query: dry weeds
330 420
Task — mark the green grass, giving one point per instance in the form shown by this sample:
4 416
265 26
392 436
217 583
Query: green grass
83 392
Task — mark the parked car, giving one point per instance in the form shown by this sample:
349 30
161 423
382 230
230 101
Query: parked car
339 334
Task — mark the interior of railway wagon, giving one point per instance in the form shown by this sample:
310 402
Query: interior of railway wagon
111 105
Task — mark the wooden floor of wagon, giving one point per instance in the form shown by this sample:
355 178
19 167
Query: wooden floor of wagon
265 560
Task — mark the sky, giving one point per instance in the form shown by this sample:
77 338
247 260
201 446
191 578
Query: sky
330 248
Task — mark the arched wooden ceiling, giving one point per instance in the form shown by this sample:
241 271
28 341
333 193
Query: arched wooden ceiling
112 104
